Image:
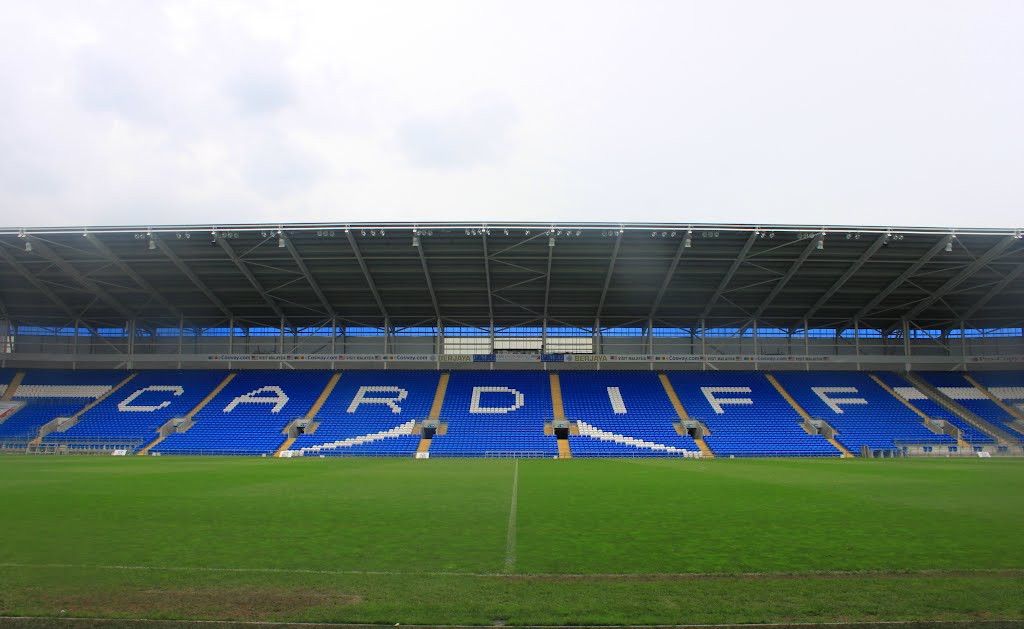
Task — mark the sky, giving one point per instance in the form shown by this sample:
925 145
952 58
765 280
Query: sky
819 112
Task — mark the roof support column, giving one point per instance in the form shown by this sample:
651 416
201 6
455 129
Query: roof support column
387 338
905 325
963 341
439 340
181 336
280 336
753 329
491 332
807 347
703 348
856 340
650 336
130 324
596 337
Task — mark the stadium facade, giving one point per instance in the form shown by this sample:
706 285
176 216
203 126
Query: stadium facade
695 296
661 340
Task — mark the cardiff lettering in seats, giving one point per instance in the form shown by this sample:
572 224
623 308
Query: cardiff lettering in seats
834 402
517 400
126 405
279 399
717 402
398 394
615 397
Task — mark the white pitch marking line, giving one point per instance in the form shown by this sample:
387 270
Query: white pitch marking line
510 539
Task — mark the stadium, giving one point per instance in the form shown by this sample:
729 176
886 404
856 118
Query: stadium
531 424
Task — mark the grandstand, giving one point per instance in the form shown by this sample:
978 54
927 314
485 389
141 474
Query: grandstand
512 340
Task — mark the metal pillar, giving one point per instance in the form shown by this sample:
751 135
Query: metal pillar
130 324
856 341
905 325
753 328
703 348
807 348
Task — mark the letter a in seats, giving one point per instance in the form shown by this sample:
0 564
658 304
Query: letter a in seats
279 399
474 404
391 402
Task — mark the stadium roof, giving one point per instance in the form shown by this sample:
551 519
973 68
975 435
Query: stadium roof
514 274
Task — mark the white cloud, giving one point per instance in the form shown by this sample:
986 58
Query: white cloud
797 111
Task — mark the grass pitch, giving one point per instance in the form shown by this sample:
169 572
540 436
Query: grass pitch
450 542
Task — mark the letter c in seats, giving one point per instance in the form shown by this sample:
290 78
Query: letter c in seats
126 406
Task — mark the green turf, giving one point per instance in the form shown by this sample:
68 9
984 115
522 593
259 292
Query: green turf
598 541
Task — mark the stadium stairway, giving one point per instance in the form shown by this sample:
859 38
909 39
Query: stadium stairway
808 422
12 387
1009 410
623 414
435 410
1001 435
192 413
558 413
313 410
1008 387
682 415
925 420
48 428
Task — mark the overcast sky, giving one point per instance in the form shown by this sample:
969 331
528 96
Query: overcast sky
139 112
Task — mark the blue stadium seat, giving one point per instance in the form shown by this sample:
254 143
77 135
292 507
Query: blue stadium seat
374 406
52 393
863 413
137 410
495 414
954 385
930 408
746 415
622 414
248 416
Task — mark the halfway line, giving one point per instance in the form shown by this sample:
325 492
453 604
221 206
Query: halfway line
510 539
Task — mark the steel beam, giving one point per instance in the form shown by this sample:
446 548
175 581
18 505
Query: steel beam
487 275
991 254
994 291
669 274
845 277
85 282
252 279
131 273
785 279
309 276
184 268
430 284
366 273
903 277
40 286
728 276
608 275
547 284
